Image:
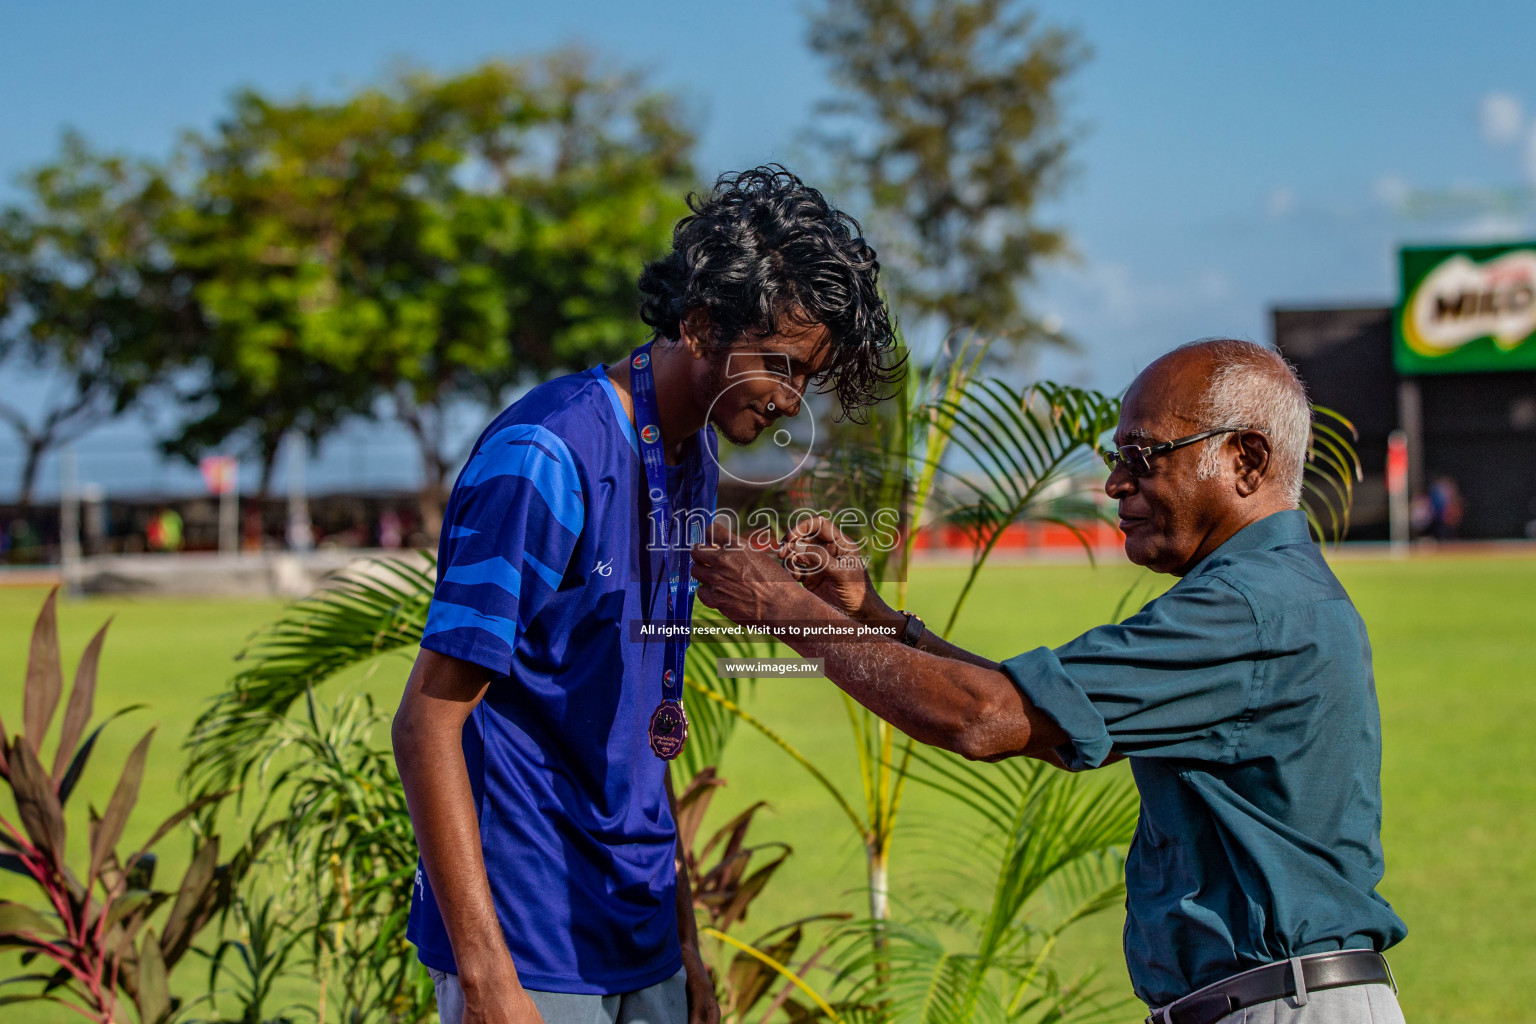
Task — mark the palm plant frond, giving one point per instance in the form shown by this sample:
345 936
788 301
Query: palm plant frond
368 610
702 686
1016 447
783 970
336 800
1331 471
712 723
1050 851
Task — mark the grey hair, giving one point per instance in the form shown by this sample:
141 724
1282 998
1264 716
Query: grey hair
1253 386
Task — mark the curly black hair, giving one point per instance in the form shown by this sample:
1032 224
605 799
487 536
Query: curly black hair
762 248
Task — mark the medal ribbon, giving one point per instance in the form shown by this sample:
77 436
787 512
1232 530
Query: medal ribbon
677 561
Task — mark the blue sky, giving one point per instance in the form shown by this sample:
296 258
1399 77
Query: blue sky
1232 156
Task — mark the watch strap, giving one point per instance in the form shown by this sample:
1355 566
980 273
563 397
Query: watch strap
912 632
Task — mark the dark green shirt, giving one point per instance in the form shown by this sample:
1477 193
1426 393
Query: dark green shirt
1245 701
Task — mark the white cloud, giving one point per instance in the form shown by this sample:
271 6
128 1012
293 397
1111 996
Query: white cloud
1128 312
1390 190
1281 202
1491 228
1111 296
1501 119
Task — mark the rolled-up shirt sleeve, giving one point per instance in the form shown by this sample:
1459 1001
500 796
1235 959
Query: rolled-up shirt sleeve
1179 679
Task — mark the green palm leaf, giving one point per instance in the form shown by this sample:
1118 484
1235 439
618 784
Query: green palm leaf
1047 854
368 610
374 608
1331 471
711 723
1018 450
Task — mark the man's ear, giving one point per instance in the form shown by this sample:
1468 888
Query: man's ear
1253 461
696 331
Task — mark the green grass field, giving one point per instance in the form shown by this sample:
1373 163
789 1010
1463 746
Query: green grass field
1453 639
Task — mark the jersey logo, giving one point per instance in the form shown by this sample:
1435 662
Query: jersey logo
604 567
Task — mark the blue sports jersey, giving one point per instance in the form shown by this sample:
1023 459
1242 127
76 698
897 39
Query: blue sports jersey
541 567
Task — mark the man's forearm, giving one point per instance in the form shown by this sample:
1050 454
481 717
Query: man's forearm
936 645
953 700
930 641
937 693
437 790
687 927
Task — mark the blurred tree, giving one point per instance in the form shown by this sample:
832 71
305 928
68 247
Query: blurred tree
955 137
227 408
414 247
89 297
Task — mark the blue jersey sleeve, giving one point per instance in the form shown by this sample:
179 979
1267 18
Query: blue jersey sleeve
512 524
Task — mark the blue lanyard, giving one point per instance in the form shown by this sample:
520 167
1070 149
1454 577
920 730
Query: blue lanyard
677 562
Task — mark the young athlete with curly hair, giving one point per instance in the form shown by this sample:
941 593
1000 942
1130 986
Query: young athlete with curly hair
531 733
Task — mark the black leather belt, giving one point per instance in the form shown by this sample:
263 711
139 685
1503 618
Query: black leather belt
1277 981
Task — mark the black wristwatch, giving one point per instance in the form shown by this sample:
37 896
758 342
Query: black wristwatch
912 632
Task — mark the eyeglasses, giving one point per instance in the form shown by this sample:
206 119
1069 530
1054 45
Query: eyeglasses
1137 459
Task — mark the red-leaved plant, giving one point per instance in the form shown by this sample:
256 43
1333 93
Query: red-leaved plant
93 929
724 892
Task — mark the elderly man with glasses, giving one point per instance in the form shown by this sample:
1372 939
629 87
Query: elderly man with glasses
1243 698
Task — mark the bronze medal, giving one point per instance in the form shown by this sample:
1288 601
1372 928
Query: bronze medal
669 729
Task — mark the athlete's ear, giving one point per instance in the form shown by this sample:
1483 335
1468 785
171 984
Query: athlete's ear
696 330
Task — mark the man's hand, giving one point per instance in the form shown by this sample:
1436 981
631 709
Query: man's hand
829 565
500 1000
747 587
703 1007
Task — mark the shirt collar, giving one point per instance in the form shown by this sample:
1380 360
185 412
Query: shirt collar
628 427
1276 530
601 373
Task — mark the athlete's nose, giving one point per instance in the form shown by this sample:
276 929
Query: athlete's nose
786 402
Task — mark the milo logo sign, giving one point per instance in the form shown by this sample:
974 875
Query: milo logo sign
1467 309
